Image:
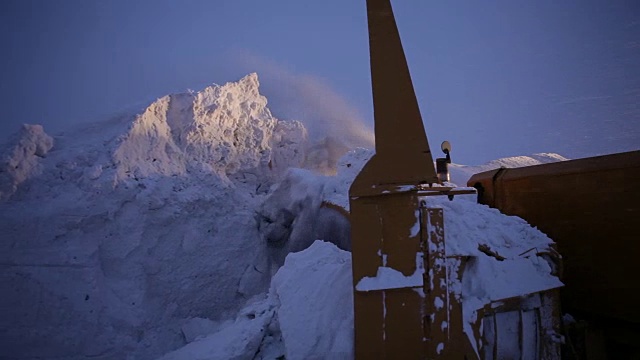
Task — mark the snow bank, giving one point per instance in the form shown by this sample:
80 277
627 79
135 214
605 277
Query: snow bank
241 340
315 312
308 314
130 227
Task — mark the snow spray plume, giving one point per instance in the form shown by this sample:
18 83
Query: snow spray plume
334 125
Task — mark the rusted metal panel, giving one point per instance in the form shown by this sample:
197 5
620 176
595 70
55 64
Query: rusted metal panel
590 207
369 314
404 324
386 320
444 333
401 245
435 285
366 238
421 320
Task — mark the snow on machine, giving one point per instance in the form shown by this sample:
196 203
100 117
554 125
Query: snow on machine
407 283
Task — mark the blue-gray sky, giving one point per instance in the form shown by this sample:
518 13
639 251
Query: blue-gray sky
496 78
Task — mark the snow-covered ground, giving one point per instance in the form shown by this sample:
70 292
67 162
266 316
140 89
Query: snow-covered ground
157 235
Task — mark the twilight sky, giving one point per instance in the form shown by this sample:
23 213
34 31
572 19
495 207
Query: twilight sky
496 78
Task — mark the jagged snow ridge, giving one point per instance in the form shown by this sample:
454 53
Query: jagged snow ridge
222 129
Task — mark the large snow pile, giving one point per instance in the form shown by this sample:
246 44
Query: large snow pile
115 234
137 236
226 130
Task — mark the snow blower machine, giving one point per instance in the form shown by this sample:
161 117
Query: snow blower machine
408 297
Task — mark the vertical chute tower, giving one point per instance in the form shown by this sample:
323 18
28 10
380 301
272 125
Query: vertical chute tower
403 305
